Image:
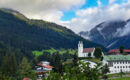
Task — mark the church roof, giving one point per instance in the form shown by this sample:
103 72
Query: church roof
86 50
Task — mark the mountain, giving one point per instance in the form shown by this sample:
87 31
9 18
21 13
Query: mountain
111 34
18 31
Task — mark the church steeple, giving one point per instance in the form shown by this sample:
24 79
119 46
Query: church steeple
80 49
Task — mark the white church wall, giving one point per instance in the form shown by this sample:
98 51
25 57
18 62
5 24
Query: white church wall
80 49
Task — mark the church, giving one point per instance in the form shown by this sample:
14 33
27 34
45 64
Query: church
84 52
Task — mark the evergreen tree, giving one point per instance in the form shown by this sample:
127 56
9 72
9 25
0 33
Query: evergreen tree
122 49
66 55
56 61
75 60
89 54
9 65
98 52
45 57
25 67
61 68
105 70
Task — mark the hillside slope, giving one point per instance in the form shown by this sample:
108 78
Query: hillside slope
20 32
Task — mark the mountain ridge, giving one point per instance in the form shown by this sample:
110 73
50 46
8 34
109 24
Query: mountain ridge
33 34
110 34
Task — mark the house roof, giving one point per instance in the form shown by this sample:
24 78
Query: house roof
27 79
86 50
117 57
118 51
114 51
47 66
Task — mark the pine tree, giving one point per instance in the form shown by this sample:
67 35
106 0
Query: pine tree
105 70
75 60
61 68
89 54
25 67
122 49
9 65
56 61
98 52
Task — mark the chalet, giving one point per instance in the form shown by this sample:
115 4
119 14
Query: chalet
43 67
117 63
117 51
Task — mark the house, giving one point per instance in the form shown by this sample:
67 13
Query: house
117 51
83 52
27 79
43 67
117 63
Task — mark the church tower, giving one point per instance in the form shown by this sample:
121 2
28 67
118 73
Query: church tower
80 49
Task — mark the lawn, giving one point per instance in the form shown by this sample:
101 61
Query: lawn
51 51
37 53
96 60
117 74
123 78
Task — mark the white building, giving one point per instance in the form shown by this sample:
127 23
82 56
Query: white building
83 52
117 63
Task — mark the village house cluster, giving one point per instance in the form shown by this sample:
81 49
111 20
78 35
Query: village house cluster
116 61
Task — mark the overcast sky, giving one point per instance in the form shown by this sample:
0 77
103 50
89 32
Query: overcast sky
78 15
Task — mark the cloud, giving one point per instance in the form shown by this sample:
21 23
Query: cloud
123 31
99 3
88 18
85 20
50 10
111 1
126 30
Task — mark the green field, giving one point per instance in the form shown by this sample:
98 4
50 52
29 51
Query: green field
51 51
123 78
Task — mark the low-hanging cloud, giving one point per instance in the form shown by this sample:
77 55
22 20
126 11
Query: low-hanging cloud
50 10
85 20
123 31
88 18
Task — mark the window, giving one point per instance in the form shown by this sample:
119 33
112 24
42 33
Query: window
120 66
126 66
123 66
115 66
